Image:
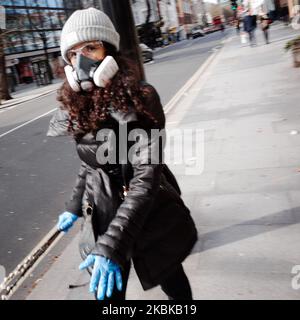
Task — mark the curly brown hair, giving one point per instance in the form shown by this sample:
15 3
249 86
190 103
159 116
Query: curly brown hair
87 110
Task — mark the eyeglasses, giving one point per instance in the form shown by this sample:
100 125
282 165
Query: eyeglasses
88 49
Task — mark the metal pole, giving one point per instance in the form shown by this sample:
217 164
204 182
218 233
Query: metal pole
49 71
4 92
121 15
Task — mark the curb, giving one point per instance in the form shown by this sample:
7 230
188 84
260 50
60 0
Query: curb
174 101
53 233
25 99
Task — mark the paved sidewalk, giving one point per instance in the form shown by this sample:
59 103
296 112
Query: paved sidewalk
246 202
29 92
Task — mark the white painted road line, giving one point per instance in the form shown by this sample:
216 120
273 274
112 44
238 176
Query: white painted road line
26 123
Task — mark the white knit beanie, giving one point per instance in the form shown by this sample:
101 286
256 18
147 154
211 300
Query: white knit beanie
87 25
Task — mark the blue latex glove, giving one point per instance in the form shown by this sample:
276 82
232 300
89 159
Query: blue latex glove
66 220
104 274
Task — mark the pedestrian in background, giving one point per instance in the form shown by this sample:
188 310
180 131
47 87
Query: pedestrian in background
250 25
132 211
10 79
238 27
222 27
265 25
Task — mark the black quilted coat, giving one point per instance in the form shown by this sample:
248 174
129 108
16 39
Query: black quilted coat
150 225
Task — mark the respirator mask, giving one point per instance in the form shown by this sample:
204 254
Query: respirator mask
88 73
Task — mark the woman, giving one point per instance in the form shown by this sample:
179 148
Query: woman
132 210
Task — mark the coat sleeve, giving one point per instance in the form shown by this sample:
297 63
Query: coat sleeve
58 124
74 204
118 241
59 127
171 178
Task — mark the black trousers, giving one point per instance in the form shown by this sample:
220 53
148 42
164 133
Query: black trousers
176 285
266 35
252 38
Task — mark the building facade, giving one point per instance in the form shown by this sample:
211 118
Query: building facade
140 11
170 27
147 18
293 8
186 15
32 48
199 12
169 16
33 45
184 11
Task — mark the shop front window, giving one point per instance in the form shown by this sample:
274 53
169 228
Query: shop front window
11 22
36 3
14 43
50 39
8 48
29 41
25 72
55 3
55 18
46 19
19 2
21 18
38 40
62 16
74 4
60 3
57 37
6 3
35 18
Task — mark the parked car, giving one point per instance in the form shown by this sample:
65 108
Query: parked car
197 32
147 53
